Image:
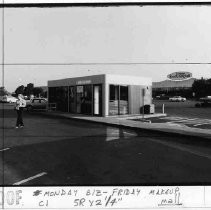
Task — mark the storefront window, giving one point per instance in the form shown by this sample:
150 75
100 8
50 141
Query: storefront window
77 99
84 99
52 95
87 100
79 96
62 98
114 100
118 101
59 95
123 102
72 99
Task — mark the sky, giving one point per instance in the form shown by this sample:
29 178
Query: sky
35 39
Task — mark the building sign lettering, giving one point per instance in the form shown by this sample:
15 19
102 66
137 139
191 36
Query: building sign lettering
83 82
179 76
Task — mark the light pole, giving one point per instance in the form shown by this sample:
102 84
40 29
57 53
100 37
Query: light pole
143 94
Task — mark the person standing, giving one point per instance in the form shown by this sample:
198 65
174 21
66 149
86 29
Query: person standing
19 105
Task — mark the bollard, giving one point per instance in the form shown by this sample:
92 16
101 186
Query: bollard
163 108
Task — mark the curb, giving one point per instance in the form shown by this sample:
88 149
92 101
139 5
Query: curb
188 135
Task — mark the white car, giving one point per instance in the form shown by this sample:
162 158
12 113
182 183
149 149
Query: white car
177 99
9 99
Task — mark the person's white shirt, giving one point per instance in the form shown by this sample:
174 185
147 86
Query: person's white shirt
22 103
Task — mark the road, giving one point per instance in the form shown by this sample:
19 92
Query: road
59 151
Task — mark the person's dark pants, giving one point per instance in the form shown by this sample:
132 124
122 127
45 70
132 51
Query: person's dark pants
20 117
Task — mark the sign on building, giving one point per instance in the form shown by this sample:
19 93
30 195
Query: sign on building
179 76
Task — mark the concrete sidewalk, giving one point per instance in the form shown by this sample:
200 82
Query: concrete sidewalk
127 122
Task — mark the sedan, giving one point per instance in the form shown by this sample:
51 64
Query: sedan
177 99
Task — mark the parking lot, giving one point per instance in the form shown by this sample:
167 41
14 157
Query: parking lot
183 113
183 109
57 151
183 121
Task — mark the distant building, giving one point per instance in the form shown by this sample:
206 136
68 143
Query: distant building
174 86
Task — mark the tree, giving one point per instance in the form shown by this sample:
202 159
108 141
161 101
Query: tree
37 91
20 90
202 87
29 89
3 91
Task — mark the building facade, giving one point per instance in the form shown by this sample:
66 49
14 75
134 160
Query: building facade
101 95
171 88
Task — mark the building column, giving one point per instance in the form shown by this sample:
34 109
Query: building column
105 104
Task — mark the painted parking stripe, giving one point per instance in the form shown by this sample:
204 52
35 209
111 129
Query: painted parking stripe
181 119
171 118
4 149
202 124
30 178
186 119
175 124
194 122
182 148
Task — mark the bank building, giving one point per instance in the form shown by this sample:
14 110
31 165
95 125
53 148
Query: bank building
101 95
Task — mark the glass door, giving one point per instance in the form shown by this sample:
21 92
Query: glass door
118 100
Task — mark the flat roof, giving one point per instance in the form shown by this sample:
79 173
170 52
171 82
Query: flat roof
174 84
101 78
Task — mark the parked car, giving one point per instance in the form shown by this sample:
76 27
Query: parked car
9 99
205 99
205 102
36 104
177 99
162 97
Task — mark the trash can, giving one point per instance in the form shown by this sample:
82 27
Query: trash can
145 109
148 109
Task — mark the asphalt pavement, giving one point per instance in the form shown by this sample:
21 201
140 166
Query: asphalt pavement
182 121
183 109
58 151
